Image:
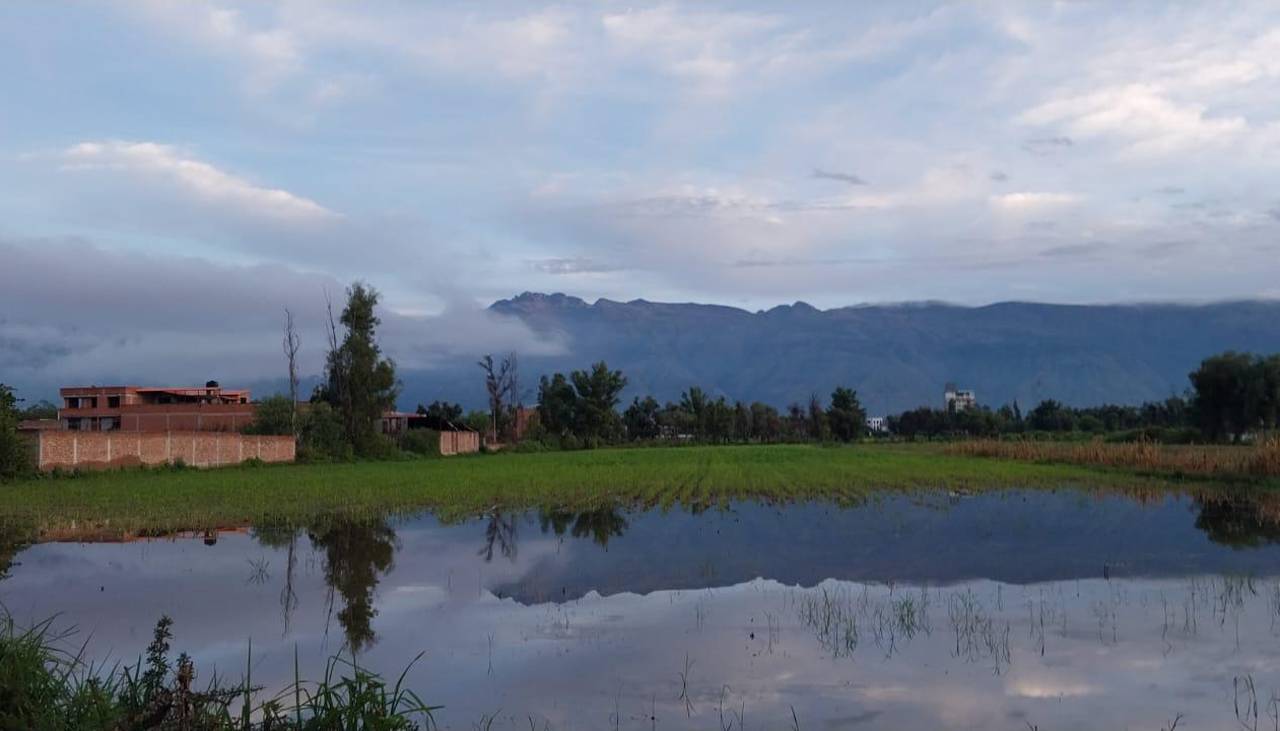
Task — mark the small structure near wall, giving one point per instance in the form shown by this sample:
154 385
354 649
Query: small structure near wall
877 425
453 439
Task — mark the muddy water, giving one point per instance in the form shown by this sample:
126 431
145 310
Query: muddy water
1055 610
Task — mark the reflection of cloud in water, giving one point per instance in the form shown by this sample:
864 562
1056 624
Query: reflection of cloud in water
1086 653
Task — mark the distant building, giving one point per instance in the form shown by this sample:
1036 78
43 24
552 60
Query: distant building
154 409
118 426
877 425
958 400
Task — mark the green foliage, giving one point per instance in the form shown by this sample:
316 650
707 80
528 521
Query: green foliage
557 402
477 421
15 453
425 442
1236 393
641 418
846 416
273 415
322 438
598 390
44 688
582 405
441 412
360 383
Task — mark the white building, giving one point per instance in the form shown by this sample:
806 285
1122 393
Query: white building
876 425
958 400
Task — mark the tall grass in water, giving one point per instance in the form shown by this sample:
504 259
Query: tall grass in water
46 688
1259 460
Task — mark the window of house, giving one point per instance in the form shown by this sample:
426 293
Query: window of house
93 402
113 402
73 402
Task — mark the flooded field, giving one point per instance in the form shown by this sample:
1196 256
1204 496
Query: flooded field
1006 609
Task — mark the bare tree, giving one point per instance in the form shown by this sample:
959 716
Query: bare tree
498 383
292 342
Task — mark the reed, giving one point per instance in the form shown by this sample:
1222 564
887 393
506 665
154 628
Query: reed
44 686
1259 461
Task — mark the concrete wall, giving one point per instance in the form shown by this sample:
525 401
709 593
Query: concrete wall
96 450
459 442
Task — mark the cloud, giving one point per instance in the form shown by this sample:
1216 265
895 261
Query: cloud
1028 201
1274 213
1046 145
849 178
1073 250
573 265
998 176
95 315
1142 117
269 55
165 165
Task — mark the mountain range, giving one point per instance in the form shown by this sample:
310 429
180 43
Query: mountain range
896 356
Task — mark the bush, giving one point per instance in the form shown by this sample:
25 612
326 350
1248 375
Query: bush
272 417
322 438
15 451
421 441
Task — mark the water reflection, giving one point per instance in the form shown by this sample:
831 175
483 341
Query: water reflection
356 554
500 533
599 525
1009 610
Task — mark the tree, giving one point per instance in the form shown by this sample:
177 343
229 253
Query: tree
818 429
641 419
274 415
291 343
696 404
598 391
557 402
440 414
499 380
15 457
361 384
1050 415
1222 394
846 416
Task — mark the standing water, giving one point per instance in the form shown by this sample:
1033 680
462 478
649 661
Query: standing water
1011 609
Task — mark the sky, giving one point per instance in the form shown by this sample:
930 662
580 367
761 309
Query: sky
172 175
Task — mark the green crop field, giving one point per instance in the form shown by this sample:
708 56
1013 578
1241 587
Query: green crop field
191 499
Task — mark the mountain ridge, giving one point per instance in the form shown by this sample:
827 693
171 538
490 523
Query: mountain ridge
898 356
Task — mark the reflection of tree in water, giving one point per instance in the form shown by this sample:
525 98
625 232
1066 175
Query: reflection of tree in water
1240 521
12 541
599 525
357 553
282 535
499 533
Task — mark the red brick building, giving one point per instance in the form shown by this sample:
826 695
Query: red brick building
151 409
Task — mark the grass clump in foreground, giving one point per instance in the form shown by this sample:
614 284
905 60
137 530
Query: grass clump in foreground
163 500
44 688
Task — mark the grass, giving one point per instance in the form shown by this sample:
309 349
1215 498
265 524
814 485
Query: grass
160 500
45 687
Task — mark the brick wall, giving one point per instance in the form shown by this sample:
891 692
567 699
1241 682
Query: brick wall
95 450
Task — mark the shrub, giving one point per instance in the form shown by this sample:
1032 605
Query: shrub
15 451
322 438
421 441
